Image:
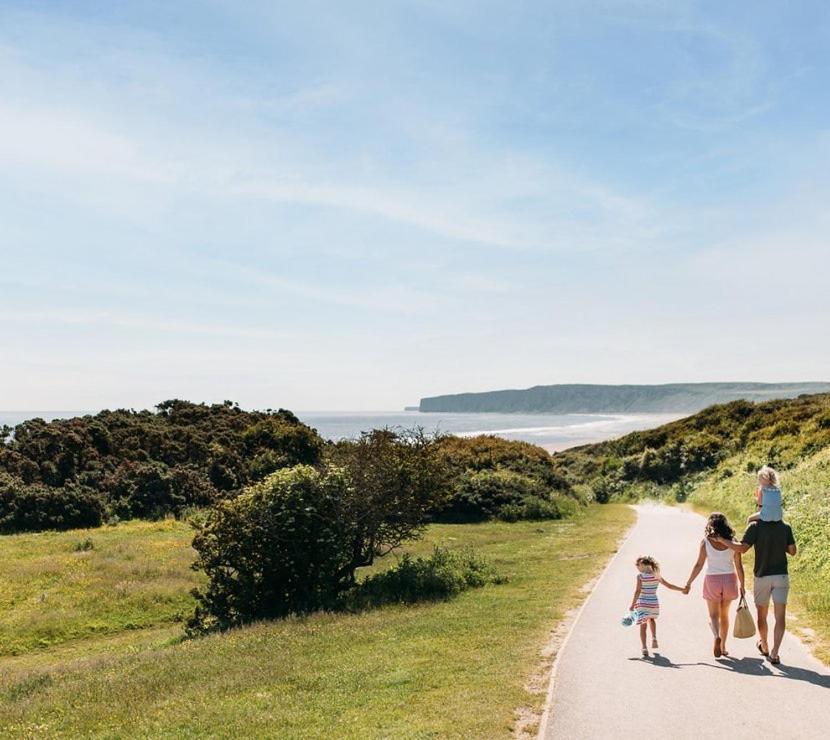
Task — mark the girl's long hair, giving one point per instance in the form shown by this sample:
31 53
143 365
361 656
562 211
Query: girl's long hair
649 561
717 525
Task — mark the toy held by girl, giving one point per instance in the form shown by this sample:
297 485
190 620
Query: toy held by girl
767 497
645 602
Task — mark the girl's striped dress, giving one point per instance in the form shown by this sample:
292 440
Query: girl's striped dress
647 606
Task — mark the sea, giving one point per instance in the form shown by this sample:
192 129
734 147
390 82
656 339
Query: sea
554 432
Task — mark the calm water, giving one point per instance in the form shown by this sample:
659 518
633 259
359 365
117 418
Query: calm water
552 431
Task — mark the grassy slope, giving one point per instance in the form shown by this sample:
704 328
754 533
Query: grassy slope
137 575
806 489
454 669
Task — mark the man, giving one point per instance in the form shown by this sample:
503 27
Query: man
773 542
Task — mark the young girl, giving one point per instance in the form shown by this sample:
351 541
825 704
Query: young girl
767 497
645 601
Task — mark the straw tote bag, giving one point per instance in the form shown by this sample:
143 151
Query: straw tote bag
744 623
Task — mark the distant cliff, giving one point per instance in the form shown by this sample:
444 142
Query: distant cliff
594 399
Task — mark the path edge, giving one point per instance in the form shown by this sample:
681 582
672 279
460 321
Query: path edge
546 714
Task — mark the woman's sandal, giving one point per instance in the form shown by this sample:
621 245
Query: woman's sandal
718 652
775 660
761 650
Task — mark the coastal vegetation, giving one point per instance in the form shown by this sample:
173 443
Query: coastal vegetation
119 465
148 464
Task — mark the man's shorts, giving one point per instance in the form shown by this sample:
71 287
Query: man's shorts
776 587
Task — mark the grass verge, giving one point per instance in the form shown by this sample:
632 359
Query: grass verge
450 669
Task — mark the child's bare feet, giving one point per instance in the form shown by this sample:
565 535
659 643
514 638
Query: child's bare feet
645 652
654 644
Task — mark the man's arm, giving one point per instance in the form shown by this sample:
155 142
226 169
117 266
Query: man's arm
740 547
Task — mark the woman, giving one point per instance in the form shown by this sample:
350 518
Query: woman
724 573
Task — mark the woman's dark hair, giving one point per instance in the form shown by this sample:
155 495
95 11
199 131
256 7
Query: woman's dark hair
718 526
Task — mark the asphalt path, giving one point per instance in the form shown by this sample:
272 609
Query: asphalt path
602 687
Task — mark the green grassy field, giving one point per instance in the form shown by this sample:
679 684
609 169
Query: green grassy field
806 489
52 590
451 669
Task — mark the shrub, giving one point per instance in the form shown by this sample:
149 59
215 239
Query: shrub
277 548
37 507
442 575
153 490
480 495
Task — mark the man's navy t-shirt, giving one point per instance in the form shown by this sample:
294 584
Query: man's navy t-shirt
770 540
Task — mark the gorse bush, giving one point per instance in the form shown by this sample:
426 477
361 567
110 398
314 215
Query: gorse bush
442 575
148 464
497 478
35 507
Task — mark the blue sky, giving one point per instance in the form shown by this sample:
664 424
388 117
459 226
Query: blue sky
331 205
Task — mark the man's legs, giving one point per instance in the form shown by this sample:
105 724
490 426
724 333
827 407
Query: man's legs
763 611
780 611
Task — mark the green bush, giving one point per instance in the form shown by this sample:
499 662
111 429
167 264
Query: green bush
151 490
148 464
482 494
442 575
37 507
278 548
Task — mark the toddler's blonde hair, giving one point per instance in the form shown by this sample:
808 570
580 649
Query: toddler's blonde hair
768 474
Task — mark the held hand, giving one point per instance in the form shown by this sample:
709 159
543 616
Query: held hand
685 589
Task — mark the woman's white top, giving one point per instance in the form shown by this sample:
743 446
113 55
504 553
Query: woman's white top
718 562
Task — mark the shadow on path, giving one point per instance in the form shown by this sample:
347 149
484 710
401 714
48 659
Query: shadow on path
746 666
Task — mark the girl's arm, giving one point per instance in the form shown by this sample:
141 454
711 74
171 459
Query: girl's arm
698 566
636 595
758 497
739 567
671 585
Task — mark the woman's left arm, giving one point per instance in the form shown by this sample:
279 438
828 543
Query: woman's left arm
739 567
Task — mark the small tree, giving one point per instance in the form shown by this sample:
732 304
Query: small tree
397 479
293 542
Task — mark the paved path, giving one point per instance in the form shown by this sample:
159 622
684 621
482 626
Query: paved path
603 688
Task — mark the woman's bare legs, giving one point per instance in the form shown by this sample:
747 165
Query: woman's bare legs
714 624
724 624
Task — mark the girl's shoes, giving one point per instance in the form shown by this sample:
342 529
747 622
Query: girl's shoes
718 652
645 652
